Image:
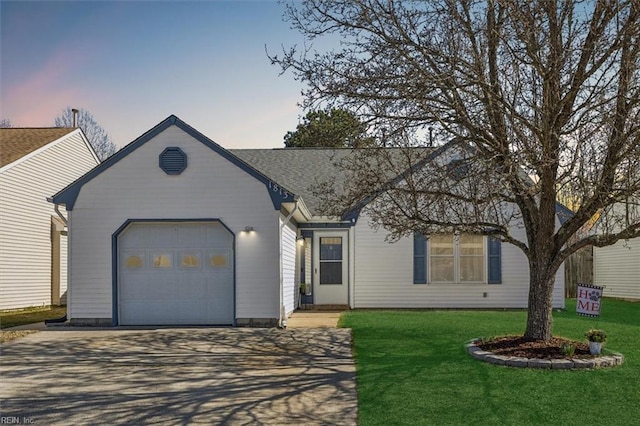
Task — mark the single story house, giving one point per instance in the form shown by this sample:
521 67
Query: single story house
34 163
175 229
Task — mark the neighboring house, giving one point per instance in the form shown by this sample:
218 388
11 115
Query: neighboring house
175 229
34 163
617 267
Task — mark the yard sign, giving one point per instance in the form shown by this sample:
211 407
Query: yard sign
589 297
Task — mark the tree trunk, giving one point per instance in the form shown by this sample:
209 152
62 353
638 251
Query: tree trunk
539 318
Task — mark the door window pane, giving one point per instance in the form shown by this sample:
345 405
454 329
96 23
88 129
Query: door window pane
331 273
331 248
331 260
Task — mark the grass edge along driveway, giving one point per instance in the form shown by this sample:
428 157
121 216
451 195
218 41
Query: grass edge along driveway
412 369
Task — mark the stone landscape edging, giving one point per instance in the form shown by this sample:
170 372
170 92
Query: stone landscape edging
603 361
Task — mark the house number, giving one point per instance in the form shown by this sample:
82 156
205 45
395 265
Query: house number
276 188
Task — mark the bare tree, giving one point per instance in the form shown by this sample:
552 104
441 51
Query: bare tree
5 122
538 96
97 136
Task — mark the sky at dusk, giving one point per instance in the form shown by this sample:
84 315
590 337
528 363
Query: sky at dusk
134 63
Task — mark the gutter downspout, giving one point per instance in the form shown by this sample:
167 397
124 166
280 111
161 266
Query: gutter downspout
282 321
56 208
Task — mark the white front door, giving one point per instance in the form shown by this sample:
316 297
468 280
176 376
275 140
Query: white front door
330 270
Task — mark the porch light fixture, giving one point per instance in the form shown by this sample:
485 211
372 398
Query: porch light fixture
248 229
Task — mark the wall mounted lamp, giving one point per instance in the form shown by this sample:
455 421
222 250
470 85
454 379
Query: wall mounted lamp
248 229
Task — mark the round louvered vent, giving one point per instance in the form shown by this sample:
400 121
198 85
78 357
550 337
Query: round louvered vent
173 161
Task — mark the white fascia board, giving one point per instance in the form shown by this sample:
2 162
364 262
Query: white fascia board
87 144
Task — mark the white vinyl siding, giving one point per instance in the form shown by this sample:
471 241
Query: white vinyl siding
288 267
25 214
384 278
211 187
617 267
63 268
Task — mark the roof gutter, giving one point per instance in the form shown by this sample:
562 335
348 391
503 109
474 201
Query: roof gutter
282 321
56 208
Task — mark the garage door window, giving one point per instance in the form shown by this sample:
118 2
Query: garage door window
189 260
134 262
162 260
218 260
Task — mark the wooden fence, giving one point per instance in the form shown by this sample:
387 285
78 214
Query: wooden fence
578 268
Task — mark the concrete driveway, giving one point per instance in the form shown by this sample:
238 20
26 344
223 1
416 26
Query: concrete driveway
180 376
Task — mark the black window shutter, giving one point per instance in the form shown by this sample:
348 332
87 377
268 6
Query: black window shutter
494 260
419 259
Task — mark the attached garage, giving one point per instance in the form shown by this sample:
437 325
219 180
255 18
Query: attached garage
175 273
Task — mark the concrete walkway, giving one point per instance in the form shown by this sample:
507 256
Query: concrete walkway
180 376
313 319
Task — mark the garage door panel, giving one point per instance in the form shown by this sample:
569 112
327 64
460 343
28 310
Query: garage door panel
191 235
192 287
190 311
162 236
217 287
154 313
137 237
189 281
218 313
136 288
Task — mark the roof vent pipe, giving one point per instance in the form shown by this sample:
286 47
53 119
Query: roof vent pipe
75 117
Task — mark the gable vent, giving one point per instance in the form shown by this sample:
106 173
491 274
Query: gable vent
173 161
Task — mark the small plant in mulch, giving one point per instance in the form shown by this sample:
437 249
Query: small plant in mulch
568 349
519 346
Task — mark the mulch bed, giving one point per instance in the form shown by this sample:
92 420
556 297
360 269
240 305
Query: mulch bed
519 346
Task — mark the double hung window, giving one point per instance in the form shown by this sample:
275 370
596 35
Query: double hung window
456 258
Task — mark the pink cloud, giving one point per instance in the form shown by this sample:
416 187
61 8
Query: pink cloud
44 93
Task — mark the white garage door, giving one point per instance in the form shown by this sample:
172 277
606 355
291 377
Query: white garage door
175 273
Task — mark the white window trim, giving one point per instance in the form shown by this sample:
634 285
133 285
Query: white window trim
456 263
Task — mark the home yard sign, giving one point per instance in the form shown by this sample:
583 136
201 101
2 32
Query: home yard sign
589 300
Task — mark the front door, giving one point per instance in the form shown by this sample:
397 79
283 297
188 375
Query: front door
330 270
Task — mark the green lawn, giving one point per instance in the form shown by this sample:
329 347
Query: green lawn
29 316
412 369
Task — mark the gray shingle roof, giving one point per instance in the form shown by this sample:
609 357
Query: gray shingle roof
299 170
